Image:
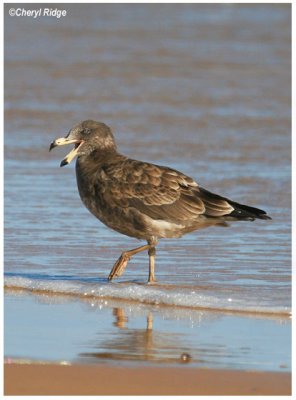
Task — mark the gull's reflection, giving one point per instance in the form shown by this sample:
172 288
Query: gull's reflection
138 344
120 318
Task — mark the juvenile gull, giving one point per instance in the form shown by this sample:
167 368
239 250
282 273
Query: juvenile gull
140 199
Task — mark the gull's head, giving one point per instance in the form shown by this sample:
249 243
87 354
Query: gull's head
87 136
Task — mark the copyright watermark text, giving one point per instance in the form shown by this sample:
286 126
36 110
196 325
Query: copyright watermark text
38 12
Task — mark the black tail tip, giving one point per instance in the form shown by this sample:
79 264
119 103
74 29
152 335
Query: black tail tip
249 213
264 216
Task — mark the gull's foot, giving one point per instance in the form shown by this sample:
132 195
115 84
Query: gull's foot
151 281
119 266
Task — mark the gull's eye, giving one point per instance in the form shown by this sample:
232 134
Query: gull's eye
86 131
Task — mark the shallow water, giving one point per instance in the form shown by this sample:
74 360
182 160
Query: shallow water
202 88
67 330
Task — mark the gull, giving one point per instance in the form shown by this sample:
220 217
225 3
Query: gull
140 199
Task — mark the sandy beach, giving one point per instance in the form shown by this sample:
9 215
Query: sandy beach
93 380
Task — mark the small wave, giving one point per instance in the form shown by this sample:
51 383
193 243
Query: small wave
163 295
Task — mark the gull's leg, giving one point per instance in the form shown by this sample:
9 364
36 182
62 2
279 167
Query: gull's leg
121 263
151 253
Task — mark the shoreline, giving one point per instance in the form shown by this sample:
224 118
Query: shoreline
11 289
84 379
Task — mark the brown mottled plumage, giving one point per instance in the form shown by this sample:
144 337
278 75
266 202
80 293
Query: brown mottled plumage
140 199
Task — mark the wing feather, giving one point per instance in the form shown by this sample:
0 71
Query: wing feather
160 192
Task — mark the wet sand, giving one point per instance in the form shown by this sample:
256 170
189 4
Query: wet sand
91 380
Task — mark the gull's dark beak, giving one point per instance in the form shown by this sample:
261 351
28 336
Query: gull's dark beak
73 153
52 145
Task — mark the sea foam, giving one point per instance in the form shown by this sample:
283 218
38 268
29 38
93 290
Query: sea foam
162 295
